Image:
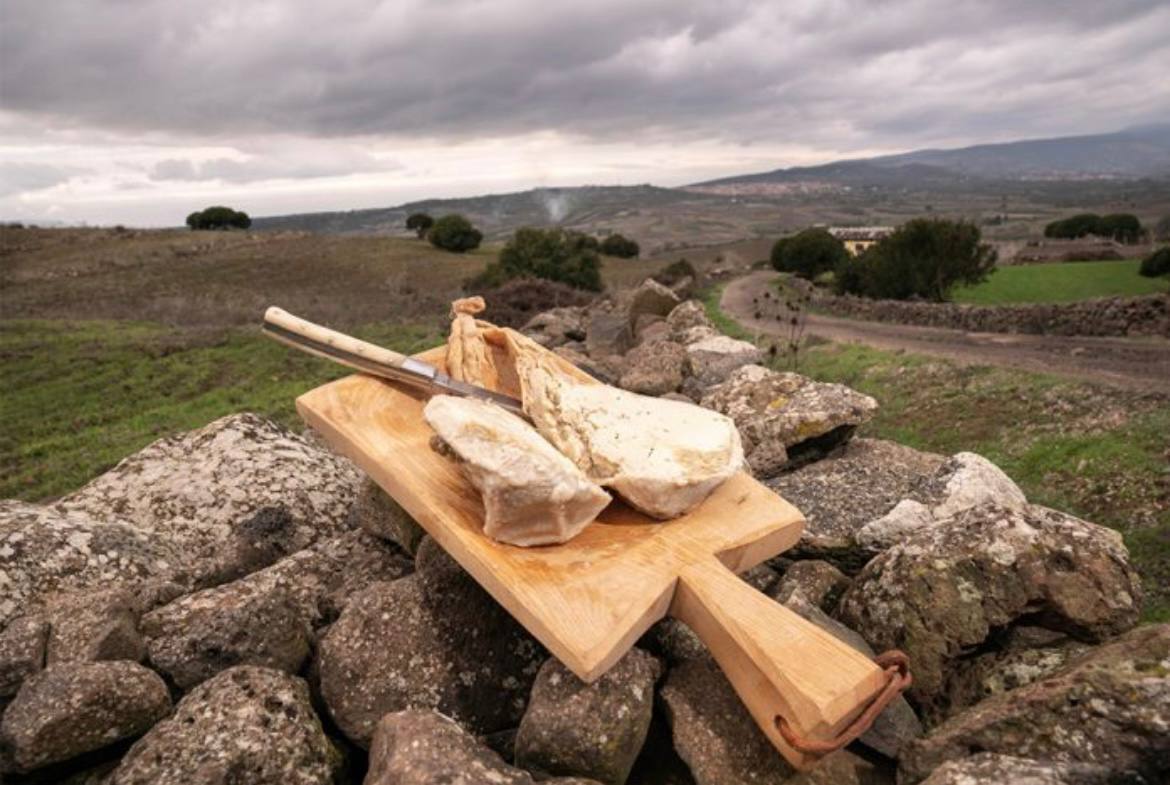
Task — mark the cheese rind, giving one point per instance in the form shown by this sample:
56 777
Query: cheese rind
532 494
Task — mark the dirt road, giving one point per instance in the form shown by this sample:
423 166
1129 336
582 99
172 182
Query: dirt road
1132 363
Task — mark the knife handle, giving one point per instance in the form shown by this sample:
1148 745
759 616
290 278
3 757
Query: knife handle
341 348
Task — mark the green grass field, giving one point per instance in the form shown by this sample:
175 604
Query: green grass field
1060 282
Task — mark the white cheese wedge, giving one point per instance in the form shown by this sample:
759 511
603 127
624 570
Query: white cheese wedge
532 494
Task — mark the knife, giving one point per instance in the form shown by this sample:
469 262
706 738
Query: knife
368 358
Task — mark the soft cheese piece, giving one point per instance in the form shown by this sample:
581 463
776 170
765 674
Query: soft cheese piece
532 494
664 457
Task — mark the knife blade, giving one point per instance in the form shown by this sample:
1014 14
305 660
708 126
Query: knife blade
375 360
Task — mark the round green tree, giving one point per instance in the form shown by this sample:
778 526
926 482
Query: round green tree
809 253
552 254
454 233
218 217
620 246
419 223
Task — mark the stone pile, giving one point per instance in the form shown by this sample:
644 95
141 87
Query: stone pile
238 604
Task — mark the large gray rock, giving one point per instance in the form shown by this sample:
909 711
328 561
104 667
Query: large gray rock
686 317
608 333
785 417
75 707
988 767
655 368
47 550
839 494
246 725
376 512
945 589
435 640
820 582
716 358
22 652
589 730
557 326
94 625
421 747
1108 709
651 299
193 490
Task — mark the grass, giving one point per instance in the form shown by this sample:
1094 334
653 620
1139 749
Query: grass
1060 282
1100 454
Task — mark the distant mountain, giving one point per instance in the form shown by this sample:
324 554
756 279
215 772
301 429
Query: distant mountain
1124 155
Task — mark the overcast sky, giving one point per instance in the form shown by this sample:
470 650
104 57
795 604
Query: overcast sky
139 111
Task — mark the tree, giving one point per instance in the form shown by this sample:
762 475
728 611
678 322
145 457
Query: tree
1073 227
808 253
1156 264
620 246
218 217
419 223
552 254
1122 227
926 258
454 233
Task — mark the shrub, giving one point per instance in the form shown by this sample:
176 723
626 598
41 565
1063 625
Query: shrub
454 233
552 254
419 223
1123 227
218 217
513 303
1156 264
924 258
808 253
675 272
620 246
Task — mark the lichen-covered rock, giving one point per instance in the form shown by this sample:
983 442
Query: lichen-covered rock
256 542
820 582
192 490
688 316
655 368
22 651
785 417
248 724
378 513
841 493
75 707
241 623
589 730
94 625
47 550
1109 708
434 639
716 358
557 326
988 767
673 641
422 747
946 588
653 299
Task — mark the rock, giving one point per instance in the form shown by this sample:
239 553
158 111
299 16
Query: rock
588 730
47 550
673 641
555 327
964 481
92 626
1109 709
74 707
785 417
652 331
821 583
193 490
603 370
247 724
434 639
608 333
651 298
421 747
1010 770
241 623
946 588
378 513
686 316
762 578
714 359
655 368
843 492
260 540
22 652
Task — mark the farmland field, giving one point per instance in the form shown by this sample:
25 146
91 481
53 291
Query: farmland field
1060 282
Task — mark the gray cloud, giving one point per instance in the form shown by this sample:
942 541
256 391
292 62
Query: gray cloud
836 73
331 163
19 177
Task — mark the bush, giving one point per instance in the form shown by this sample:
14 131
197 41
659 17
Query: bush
620 246
218 217
419 223
926 258
675 272
454 233
1123 227
1156 264
551 254
515 302
808 253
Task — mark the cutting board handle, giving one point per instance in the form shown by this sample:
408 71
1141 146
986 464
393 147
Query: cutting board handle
779 663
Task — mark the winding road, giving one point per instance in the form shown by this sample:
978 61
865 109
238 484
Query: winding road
1132 363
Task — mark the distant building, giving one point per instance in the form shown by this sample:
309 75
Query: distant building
859 238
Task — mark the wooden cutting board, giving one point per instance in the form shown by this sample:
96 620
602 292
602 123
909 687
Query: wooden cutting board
589 600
